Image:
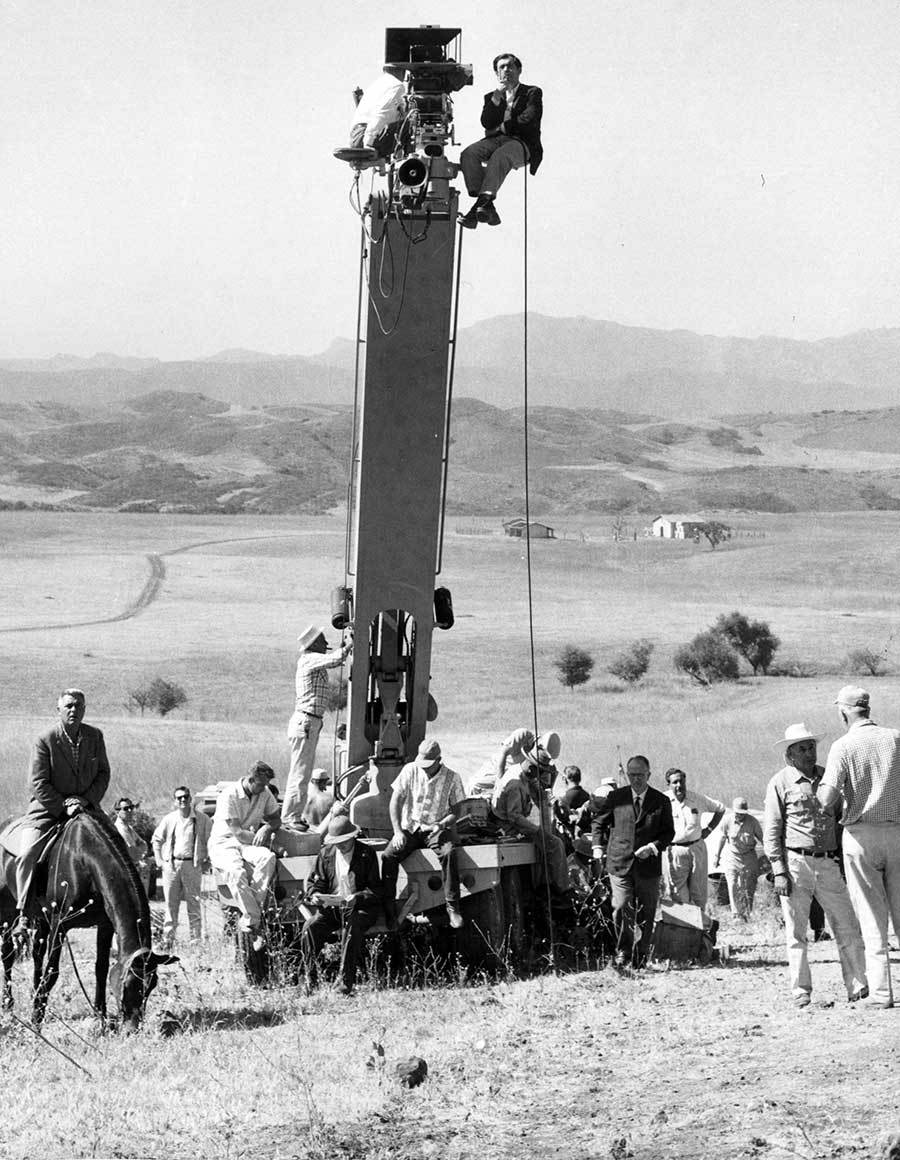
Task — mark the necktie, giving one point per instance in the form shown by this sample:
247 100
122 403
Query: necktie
637 806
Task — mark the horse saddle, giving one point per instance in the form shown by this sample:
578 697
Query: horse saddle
11 838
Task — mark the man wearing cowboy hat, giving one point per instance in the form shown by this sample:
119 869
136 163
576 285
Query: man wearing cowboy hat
346 889
801 839
423 811
863 769
320 799
305 725
513 802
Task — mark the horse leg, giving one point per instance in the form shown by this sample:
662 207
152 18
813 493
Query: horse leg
8 955
101 966
47 949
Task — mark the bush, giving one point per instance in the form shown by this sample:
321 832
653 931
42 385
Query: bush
575 666
866 660
633 663
707 659
752 639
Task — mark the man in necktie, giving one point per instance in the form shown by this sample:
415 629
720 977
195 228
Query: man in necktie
511 119
632 827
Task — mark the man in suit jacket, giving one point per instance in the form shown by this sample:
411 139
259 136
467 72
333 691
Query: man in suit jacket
346 887
69 773
511 118
633 825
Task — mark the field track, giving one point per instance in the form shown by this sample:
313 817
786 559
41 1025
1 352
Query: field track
151 589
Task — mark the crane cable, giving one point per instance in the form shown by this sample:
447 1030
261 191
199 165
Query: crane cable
542 827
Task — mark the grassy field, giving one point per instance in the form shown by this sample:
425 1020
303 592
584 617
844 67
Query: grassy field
236 591
702 1063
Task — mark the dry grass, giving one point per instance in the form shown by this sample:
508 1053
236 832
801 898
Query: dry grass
699 1063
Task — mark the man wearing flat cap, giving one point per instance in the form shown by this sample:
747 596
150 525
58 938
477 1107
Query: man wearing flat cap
423 808
345 887
801 839
863 771
305 725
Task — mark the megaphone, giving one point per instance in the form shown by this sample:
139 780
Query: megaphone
413 172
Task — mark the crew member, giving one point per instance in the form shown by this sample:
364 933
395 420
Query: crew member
512 750
180 847
346 890
423 810
320 799
511 118
863 769
513 806
800 838
305 725
632 827
246 816
379 113
69 773
686 865
135 844
737 858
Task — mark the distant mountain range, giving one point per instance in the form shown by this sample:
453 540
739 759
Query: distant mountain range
573 363
179 451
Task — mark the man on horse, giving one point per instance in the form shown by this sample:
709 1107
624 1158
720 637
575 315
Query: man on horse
69 773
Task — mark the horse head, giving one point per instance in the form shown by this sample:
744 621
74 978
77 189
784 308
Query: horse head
133 979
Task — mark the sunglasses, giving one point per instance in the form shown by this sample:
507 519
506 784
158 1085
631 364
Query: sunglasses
126 808
182 798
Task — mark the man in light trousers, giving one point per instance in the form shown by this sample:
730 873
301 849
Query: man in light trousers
863 769
800 837
180 848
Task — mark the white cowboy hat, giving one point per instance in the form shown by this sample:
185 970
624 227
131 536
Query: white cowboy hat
311 633
795 733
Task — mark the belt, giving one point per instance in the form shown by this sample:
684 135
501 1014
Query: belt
693 843
176 858
315 716
813 853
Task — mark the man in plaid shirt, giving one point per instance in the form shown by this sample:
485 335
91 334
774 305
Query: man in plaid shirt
863 768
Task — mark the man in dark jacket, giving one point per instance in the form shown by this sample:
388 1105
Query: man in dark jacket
69 773
346 887
632 826
511 118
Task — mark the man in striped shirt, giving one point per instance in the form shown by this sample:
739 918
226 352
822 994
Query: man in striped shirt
305 725
863 769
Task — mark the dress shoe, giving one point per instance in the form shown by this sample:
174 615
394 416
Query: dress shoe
456 918
469 220
487 213
802 1000
862 993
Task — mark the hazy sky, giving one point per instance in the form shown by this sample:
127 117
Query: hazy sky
167 185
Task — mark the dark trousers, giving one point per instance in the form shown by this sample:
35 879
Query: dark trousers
441 842
634 899
352 924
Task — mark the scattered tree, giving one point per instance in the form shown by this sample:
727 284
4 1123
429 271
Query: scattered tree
160 695
714 531
631 664
752 639
138 699
866 660
707 659
574 666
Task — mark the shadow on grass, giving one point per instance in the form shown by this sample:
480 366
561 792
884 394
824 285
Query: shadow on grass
221 1019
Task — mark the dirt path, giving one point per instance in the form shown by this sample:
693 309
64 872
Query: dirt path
151 589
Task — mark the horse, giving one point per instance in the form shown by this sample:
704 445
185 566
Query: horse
90 881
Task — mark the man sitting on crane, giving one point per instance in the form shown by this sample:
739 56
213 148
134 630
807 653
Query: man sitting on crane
423 812
512 122
512 805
